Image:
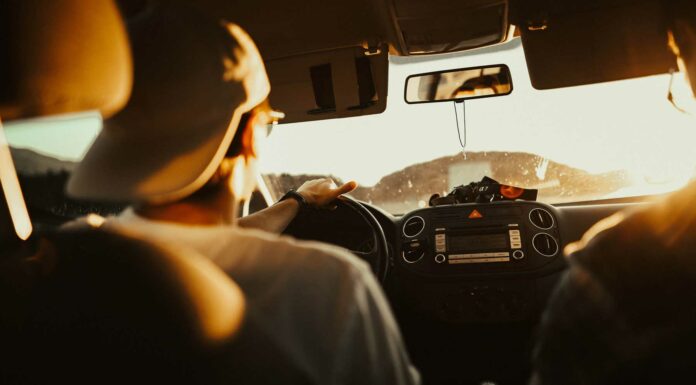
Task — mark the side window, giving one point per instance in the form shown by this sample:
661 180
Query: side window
45 151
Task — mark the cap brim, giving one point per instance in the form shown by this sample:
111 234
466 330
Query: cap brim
124 167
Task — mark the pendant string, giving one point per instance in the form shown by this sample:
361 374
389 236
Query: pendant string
670 96
461 133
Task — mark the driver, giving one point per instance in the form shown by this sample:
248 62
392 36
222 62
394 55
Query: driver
184 151
624 312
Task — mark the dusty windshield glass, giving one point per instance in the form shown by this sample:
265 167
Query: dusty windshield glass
582 143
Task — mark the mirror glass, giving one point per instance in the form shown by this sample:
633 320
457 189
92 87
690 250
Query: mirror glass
459 84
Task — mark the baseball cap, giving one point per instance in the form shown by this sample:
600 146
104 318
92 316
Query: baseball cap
194 76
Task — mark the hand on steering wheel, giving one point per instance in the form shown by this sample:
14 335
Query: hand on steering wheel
322 193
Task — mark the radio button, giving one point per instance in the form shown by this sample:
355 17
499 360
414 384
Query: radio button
440 258
516 245
518 254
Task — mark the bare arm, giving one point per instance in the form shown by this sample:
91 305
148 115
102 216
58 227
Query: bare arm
319 193
273 219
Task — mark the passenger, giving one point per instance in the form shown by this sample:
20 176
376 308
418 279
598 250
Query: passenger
183 152
625 311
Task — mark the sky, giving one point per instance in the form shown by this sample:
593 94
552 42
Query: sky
626 125
66 137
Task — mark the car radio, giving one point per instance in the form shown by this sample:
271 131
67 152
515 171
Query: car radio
496 236
462 245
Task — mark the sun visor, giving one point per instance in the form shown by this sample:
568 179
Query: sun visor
607 43
329 84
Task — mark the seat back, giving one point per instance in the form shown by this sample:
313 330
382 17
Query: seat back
92 306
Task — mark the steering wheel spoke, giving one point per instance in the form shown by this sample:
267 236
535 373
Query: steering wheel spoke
375 251
378 257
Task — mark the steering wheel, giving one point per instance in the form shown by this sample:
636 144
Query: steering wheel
378 255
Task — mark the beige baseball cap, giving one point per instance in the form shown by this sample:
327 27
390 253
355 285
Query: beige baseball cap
194 77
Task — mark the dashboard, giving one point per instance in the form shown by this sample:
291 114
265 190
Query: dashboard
477 263
462 263
467 282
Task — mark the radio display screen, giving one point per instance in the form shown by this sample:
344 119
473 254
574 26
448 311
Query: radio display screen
477 242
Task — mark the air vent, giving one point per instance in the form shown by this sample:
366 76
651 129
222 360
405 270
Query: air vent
413 226
541 218
545 245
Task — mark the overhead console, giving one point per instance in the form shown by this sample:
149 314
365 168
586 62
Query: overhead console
475 239
441 26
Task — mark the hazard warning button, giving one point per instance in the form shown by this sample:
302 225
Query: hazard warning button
475 214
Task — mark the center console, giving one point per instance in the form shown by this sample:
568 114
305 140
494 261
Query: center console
472 280
465 239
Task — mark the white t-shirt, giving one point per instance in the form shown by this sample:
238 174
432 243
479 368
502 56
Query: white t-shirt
317 302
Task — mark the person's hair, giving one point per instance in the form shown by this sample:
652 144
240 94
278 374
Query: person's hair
625 312
681 11
242 145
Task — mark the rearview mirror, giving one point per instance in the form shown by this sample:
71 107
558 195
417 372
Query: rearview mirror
459 84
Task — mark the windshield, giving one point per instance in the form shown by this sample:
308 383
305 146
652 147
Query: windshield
581 143
574 144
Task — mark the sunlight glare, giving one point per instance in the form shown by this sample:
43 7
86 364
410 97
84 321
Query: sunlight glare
12 190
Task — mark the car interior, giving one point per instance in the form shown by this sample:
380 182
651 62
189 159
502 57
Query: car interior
467 243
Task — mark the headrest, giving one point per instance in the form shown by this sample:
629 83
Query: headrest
62 56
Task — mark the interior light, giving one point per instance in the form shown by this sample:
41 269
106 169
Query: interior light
13 192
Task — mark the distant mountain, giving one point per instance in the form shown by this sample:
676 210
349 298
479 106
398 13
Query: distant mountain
43 179
513 168
406 189
30 162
